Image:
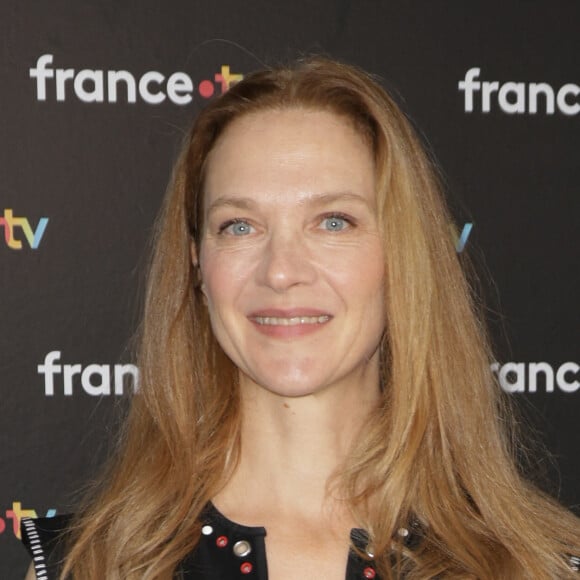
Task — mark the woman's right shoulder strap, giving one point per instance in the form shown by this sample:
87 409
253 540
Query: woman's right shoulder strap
44 538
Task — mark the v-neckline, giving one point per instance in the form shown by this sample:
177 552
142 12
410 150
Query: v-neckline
356 568
213 511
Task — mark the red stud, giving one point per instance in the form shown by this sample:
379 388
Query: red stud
369 572
222 542
246 568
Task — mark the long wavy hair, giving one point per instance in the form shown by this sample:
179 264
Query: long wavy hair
438 451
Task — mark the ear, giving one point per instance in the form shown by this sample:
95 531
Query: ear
197 271
193 254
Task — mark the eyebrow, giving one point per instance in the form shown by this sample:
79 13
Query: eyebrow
315 200
239 202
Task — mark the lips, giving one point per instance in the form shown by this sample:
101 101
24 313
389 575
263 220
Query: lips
289 323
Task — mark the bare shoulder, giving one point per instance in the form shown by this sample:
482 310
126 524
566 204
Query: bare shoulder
30 574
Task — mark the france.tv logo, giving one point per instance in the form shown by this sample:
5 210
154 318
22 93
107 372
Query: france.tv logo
116 85
17 227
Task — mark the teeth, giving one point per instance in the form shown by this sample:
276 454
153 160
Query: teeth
296 320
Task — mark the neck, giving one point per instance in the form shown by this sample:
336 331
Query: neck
291 448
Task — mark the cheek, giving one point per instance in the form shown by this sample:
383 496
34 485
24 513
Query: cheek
360 274
362 287
223 276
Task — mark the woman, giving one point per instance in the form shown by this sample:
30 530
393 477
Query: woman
312 366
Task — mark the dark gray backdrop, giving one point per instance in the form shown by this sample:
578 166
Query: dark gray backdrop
97 172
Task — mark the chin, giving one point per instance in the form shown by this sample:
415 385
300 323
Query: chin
291 386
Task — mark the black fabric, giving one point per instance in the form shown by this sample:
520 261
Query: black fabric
213 559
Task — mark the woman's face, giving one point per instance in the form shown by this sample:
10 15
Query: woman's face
291 256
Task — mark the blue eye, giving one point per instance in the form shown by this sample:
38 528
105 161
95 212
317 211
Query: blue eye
334 223
236 228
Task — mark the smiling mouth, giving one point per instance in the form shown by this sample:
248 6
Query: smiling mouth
293 321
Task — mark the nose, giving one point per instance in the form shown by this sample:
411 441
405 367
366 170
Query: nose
286 262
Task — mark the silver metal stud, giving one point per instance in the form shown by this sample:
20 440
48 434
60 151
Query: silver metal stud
242 548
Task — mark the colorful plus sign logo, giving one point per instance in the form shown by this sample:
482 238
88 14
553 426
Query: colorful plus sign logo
225 78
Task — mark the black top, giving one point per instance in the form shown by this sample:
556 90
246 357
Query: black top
226 550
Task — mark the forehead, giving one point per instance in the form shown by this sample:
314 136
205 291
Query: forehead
291 151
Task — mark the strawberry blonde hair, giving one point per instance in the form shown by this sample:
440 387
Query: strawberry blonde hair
438 450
